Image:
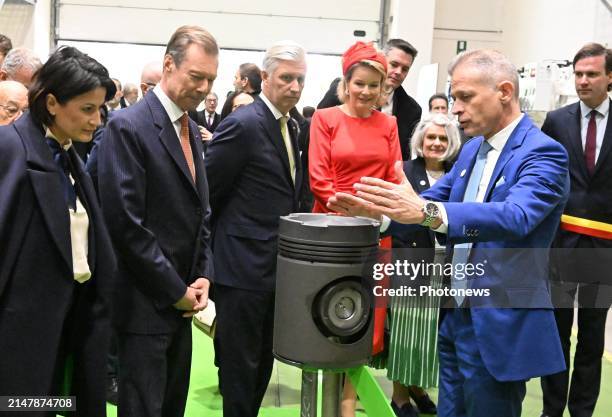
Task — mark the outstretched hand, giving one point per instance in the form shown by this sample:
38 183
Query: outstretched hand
375 197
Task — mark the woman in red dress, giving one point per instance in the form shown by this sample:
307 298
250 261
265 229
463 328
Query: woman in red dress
353 140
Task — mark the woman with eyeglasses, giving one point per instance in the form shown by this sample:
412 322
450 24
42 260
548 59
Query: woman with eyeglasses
56 262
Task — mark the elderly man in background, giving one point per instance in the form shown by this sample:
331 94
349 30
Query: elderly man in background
130 95
19 65
150 76
13 101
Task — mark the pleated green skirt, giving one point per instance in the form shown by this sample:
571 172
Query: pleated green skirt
412 351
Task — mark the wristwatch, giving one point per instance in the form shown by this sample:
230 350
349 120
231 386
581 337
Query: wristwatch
432 213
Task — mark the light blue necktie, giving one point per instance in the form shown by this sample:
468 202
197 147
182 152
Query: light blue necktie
462 250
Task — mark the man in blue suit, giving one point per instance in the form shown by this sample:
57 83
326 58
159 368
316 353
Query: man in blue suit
500 203
154 194
253 164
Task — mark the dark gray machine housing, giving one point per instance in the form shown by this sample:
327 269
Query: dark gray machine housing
324 304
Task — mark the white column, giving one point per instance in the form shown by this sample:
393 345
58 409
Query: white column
413 21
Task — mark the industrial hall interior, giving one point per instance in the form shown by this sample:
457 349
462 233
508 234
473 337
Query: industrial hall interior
347 208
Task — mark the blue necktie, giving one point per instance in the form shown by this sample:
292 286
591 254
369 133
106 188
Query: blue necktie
461 251
60 156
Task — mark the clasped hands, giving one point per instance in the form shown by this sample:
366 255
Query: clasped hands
374 197
195 298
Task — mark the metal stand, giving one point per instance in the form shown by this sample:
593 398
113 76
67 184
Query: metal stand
310 385
332 394
332 390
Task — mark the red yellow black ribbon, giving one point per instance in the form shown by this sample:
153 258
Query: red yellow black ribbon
586 227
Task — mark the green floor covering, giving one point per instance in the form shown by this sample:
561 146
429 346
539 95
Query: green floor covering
283 396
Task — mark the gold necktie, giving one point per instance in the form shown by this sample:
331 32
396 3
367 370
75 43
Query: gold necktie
287 140
185 144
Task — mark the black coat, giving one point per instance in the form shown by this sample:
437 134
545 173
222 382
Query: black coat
45 315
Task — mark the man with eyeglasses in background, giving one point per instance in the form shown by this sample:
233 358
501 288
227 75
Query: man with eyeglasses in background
13 101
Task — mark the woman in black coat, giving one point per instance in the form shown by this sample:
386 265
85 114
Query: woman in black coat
56 262
412 362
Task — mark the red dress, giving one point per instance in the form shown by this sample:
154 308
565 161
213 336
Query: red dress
343 149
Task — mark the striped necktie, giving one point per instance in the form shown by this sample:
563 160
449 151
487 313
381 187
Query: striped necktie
186 146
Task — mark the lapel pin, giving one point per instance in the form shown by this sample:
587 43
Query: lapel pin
422 182
462 173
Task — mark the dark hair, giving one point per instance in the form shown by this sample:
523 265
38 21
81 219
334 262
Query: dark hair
441 96
403 45
5 44
252 73
308 111
185 36
67 73
595 49
229 102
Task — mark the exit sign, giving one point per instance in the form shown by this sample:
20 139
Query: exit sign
461 46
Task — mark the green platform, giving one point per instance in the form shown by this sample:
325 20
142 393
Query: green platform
283 396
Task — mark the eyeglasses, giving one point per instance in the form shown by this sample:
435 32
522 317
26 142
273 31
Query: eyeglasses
12 110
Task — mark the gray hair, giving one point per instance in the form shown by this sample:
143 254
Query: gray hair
282 51
452 133
493 66
19 58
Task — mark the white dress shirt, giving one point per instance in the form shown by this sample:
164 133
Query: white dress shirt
497 142
174 112
388 107
601 121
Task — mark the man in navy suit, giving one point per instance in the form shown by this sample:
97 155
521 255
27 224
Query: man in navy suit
499 207
154 195
254 170
582 267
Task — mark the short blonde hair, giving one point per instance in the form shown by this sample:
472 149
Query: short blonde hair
452 133
341 91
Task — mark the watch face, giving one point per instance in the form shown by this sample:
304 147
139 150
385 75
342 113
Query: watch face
431 210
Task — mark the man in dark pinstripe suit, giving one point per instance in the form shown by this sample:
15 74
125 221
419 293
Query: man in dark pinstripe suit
154 193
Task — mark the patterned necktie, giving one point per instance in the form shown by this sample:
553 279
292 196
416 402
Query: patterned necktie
461 251
287 140
60 156
591 143
186 146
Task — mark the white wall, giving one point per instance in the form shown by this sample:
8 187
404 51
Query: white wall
125 62
27 25
413 20
478 22
553 29
15 21
321 26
